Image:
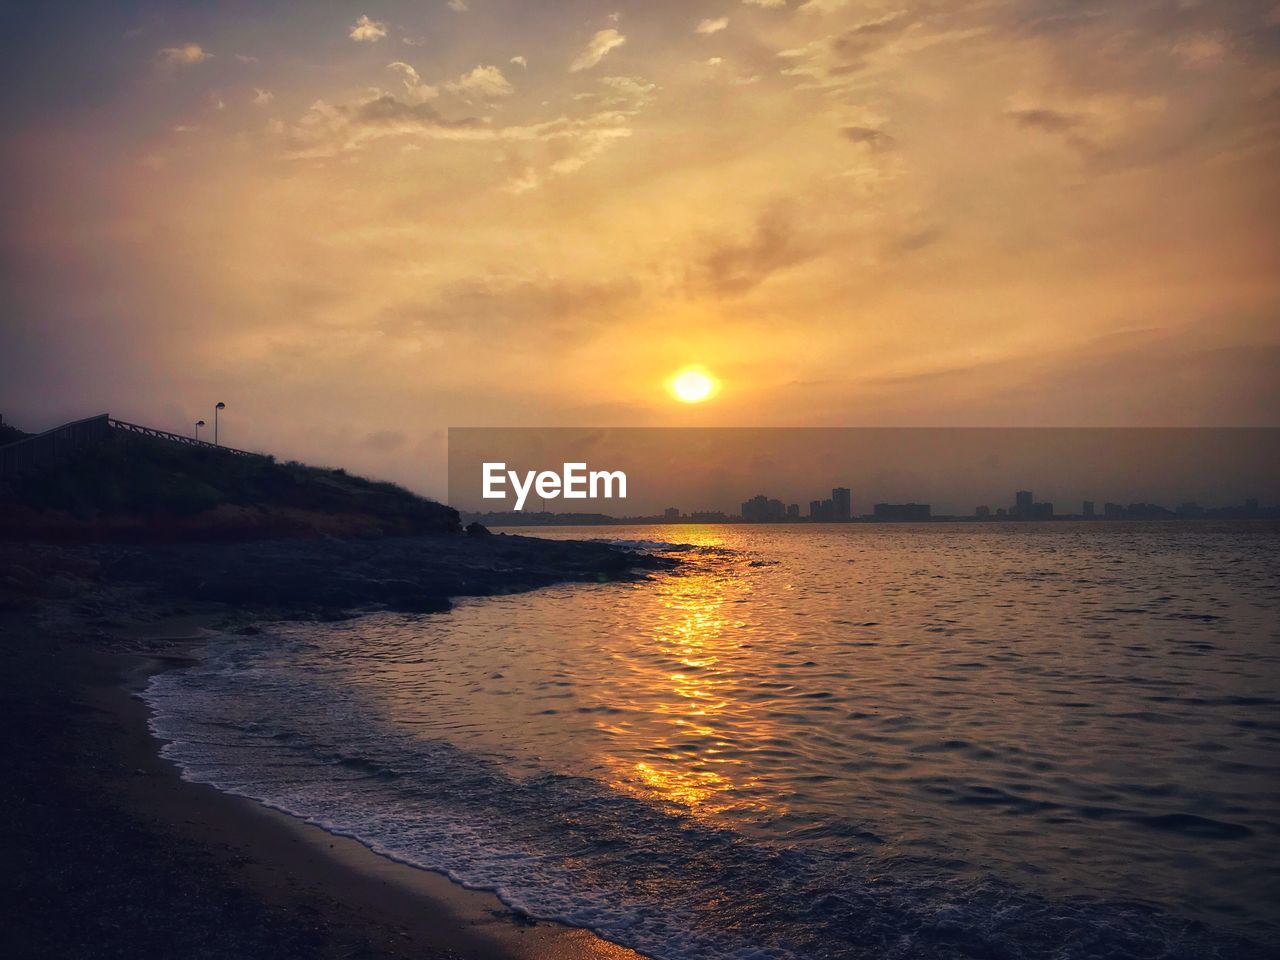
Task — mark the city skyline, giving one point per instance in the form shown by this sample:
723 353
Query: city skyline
764 509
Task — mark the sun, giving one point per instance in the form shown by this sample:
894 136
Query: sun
692 385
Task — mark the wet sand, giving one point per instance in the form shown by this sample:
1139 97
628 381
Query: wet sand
110 853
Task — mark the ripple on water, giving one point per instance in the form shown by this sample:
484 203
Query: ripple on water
883 752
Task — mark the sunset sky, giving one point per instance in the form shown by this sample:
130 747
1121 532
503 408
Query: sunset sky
359 224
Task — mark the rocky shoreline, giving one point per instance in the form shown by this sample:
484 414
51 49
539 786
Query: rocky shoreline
312 579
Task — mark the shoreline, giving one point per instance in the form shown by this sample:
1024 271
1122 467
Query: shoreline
424 907
111 853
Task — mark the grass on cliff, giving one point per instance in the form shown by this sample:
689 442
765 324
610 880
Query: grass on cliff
142 477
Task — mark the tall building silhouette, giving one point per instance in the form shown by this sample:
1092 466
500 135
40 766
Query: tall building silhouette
762 509
821 510
841 503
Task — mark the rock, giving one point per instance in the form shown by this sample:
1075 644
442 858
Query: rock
477 530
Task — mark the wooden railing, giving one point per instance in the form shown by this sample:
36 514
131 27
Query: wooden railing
176 438
53 446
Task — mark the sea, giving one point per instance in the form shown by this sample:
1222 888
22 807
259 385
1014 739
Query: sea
806 742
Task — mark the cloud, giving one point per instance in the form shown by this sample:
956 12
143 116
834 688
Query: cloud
708 27
328 129
574 144
833 60
262 98
524 309
386 110
1200 52
768 4
738 266
587 147
566 144
822 6
870 35
596 49
368 31
415 90
1117 131
483 81
520 62
633 88
458 6
869 137
1043 118
185 55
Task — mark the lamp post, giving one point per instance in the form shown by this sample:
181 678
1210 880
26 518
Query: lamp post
219 406
199 424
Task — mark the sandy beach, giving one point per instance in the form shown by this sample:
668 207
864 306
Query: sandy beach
111 853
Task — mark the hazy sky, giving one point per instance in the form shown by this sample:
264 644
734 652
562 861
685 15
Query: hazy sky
360 223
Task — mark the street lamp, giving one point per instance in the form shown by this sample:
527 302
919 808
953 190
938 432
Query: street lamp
220 406
199 424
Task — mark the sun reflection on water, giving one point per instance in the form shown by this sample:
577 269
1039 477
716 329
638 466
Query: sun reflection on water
692 761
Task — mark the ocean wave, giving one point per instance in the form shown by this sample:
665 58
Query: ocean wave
574 850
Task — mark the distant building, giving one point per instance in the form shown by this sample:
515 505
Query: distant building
1025 507
1001 512
821 511
671 514
841 503
708 516
1113 511
902 511
1147 511
1088 512
1251 506
793 511
762 509
982 513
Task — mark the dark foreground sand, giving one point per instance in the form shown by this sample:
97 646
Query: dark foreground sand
107 852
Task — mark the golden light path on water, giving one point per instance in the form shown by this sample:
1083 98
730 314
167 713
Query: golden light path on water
703 772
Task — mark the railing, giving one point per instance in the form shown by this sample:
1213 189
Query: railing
176 438
52 446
